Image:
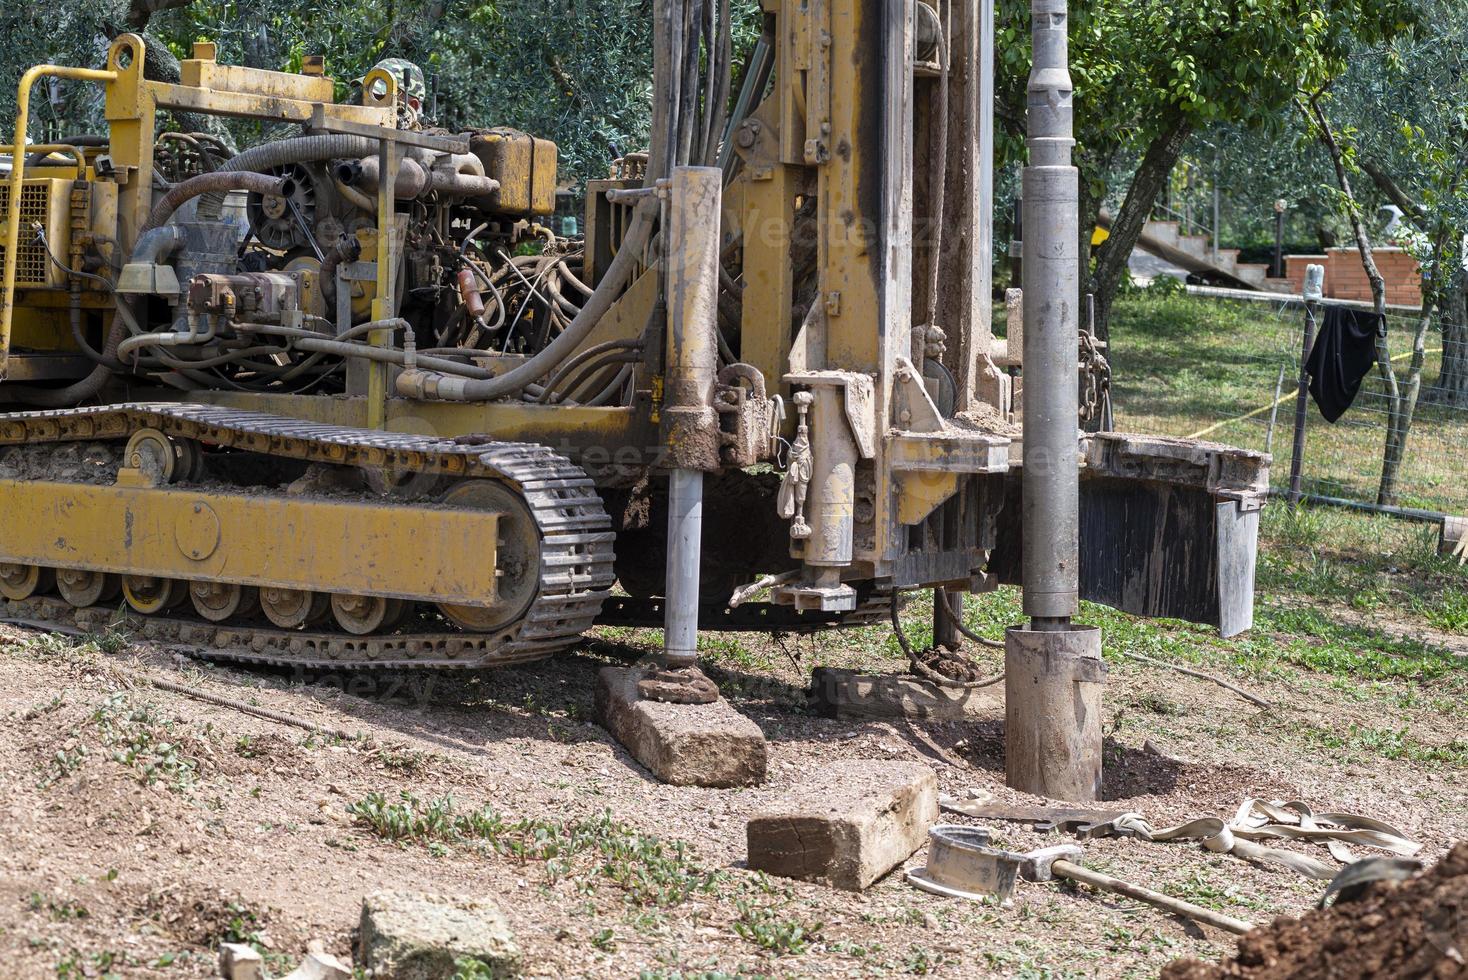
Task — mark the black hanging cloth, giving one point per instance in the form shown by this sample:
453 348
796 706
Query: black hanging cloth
1344 353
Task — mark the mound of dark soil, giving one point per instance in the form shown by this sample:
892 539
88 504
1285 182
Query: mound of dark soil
1409 929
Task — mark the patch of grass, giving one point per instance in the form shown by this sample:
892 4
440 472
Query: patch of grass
1197 888
1390 744
59 646
1158 704
648 870
243 925
409 762
763 926
1331 647
62 910
56 646
113 639
1183 363
101 965
42 708
473 968
1449 612
156 748
146 742
66 760
919 961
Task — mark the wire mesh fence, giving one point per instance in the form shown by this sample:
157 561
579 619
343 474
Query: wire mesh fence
1228 371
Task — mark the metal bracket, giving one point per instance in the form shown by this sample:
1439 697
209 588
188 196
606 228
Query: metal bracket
408 137
860 402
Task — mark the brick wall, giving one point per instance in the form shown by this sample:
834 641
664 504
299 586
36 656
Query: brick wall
1346 279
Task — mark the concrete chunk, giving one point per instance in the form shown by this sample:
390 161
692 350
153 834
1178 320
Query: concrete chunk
405 936
320 965
240 961
839 693
683 744
849 824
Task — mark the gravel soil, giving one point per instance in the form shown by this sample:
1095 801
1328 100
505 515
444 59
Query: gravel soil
139 828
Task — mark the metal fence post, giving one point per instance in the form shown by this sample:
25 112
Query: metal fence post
1314 281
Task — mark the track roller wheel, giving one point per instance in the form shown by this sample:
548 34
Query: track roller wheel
219 601
518 558
293 608
190 460
23 581
82 588
149 594
363 614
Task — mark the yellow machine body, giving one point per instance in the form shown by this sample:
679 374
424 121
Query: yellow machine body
910 476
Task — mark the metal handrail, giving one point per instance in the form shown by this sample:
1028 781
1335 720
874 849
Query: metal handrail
1172 213
17 175
44 149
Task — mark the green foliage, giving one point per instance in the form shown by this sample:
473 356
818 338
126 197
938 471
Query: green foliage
1138 66
650 871
764 927
576 71
1449 612
1358 740
145 741
242 925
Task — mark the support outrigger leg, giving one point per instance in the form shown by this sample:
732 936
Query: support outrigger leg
690 423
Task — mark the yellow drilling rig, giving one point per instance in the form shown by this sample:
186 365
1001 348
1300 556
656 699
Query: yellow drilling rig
343 399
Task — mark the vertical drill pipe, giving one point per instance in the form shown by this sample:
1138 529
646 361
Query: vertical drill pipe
985 285
17 175
685 531
691 426
1051 288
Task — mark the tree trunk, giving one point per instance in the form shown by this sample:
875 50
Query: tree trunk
1399 419
1401 422
1452 381
1147 182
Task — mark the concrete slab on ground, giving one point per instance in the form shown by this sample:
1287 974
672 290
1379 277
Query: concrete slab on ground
847 825
682 744
406 936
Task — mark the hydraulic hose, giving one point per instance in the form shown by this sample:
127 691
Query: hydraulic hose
149 247
93 140
298 149
574 362
511 382
75 394
308 340
154 243
675 89
218 182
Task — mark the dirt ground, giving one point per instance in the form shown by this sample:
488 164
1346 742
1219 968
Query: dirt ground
141 827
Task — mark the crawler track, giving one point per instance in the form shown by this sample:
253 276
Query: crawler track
575 574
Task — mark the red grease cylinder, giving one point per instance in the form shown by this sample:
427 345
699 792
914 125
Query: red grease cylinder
469 292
